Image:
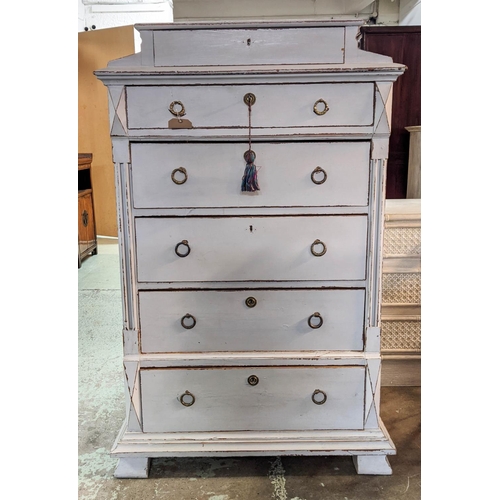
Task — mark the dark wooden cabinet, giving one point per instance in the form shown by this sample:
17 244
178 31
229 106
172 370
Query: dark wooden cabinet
402 43
87 238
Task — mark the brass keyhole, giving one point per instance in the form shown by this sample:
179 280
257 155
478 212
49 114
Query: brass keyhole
249 99
85 218
251 302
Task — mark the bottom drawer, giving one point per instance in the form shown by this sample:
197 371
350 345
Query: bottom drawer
257 398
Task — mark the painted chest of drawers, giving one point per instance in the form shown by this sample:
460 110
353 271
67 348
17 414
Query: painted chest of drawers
251 318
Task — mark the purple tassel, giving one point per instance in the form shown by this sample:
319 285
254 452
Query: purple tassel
249 180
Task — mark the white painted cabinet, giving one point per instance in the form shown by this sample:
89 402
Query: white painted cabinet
251 319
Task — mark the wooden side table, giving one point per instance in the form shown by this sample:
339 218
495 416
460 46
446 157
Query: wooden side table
87 238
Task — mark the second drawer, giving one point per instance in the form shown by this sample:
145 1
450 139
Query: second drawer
251 320
209 175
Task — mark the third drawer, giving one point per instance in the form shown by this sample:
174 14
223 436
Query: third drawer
251 320
302 248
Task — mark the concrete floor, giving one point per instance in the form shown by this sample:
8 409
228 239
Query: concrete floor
101 413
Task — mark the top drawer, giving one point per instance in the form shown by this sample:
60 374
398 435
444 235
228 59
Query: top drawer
284 45
276 106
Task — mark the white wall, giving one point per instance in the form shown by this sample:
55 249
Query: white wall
113 13
409 13
386 11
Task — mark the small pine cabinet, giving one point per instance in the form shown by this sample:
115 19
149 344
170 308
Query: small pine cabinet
87 238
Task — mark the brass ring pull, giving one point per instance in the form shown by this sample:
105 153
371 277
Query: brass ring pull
251 302
253 380
316 401
318 170
315 315
182 170
182 243
182 111
249 99
187 394
318 254
325 109
183 321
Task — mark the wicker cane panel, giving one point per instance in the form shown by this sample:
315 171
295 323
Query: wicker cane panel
402 241
401 335
401 288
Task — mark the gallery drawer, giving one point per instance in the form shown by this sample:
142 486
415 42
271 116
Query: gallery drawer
220 106
308 248
248 46
257 398
209 175
251 320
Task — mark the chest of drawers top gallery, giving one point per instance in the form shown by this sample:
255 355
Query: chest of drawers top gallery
250 162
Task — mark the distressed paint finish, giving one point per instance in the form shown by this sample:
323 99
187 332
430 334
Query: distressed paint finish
258 245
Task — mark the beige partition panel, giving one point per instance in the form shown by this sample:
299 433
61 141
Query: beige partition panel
401 293
95 49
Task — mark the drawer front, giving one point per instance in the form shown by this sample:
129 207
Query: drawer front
224 399
249 46
251 320
251 248
213 173
221 106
